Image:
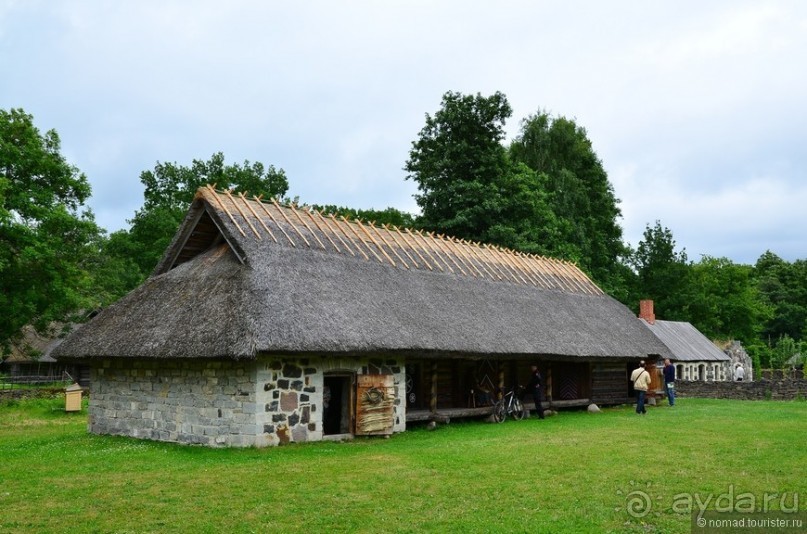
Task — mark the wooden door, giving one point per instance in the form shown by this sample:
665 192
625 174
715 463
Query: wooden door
656 378
375 401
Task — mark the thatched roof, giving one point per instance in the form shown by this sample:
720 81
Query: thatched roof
686 342
35 347
244 277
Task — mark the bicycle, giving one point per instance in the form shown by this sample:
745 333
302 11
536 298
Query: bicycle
509 404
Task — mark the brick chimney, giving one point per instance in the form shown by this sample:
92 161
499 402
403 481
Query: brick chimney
646 311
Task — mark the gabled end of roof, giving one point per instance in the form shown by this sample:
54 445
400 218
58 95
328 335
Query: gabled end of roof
201 230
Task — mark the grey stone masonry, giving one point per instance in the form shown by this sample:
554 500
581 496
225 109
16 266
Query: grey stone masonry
264 402
185 401
775 388
290 391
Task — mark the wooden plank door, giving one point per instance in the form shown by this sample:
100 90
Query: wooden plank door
375 401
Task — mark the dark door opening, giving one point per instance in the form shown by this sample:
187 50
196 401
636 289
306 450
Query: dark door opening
336 414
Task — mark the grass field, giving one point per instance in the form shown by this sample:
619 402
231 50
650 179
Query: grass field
577 472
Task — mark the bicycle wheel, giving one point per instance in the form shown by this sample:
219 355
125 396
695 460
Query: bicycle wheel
499 412
518 410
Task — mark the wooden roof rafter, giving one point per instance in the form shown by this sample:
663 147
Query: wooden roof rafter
259 219
320 228
400 248
440 243
310 231
277 224
293 226
243 215
225 210
394 234
394 250
360 240
415 236
372 239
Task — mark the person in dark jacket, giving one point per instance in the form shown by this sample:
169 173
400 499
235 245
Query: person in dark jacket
669 381
535 387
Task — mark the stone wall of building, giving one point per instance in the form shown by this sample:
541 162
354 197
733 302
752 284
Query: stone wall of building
271 401
290 394
739 357
185 401
703 371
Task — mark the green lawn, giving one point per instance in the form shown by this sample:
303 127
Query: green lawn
576 472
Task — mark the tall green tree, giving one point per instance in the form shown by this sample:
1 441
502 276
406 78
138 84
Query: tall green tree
663 274
383 217
578 190
523 219
169 191
783 286
114 267
468 186
458 162
44 231
725 301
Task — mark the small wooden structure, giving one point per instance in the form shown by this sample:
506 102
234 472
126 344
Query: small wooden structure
72 398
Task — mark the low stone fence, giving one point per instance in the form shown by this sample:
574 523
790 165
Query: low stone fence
772 374
33 393
783 388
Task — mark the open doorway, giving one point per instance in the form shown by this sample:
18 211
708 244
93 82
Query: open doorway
336 413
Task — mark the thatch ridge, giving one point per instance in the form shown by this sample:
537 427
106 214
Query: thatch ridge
271 223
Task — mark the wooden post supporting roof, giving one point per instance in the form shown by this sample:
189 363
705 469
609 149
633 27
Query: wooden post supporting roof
433 398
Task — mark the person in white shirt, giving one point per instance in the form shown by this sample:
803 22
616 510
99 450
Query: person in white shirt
739 373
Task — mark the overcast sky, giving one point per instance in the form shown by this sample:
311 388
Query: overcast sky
698 110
